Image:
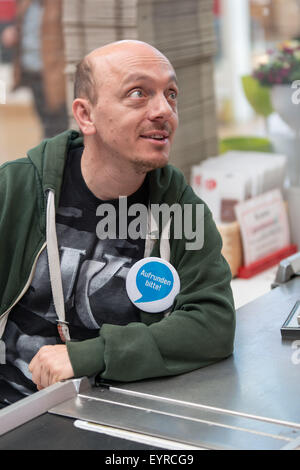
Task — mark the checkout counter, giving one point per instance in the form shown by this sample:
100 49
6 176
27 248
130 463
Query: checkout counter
250 400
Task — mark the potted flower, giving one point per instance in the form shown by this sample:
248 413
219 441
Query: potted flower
281 72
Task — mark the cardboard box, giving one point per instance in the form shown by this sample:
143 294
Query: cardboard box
232 245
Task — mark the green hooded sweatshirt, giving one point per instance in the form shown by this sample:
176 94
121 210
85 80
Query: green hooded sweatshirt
197 332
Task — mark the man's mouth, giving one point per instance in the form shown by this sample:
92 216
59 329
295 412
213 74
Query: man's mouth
159 136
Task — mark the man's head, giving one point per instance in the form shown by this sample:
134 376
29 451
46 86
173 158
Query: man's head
126 103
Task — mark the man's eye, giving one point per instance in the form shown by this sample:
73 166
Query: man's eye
136 94
173 95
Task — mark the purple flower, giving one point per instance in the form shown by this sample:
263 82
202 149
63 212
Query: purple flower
282 66
288 50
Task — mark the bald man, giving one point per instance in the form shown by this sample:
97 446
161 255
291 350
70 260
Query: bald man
65 311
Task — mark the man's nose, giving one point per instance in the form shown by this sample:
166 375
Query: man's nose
160 108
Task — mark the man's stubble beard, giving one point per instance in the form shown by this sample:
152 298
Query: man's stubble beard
142 167
140 164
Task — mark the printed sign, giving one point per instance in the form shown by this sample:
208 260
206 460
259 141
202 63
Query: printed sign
264 225
152 284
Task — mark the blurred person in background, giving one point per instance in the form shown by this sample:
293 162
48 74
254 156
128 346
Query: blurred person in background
37 39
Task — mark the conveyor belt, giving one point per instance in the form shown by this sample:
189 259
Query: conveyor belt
248 401
182 422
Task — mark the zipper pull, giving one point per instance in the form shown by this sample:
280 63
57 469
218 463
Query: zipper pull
63 330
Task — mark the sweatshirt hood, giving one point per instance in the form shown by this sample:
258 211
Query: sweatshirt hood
49 159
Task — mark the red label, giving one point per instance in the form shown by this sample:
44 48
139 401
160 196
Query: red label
210 184
197 180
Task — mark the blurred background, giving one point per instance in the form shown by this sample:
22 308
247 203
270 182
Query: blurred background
212 43
234 60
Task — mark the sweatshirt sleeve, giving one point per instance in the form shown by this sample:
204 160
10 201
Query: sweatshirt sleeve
199 331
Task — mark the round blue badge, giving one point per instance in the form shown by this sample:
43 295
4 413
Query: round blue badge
152 284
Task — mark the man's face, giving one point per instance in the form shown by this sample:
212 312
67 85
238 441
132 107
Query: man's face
135 116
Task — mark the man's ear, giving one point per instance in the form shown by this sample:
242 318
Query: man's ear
82 113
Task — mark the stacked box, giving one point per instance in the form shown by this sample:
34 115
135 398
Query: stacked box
183 31
235 176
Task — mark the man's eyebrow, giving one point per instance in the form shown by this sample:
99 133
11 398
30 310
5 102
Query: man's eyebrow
134 77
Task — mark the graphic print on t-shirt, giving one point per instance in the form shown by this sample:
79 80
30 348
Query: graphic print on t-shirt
93 273
86 276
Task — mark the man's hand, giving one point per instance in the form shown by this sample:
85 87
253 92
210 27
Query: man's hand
50 365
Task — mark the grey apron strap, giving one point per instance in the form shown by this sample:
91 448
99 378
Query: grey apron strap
54 269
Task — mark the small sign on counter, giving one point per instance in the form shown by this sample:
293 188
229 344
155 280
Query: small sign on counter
264 229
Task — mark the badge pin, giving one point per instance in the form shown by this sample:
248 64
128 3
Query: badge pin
152 284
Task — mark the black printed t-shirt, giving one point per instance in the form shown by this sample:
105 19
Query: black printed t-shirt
93 276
